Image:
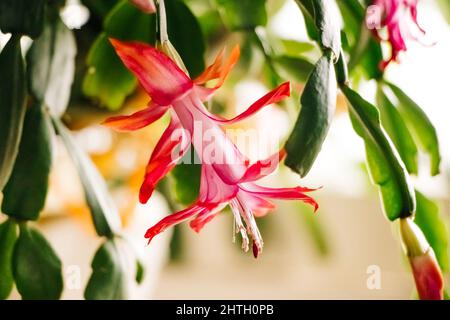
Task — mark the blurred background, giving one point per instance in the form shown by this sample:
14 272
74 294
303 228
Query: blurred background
331 254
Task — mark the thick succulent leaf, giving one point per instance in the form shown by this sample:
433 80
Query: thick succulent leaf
108 278
420 125
51 66
8 238
386 168
434 227
395 126
318 103
36 267
13 95
25 193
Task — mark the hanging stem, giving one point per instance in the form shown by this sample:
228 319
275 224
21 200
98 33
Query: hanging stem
162 22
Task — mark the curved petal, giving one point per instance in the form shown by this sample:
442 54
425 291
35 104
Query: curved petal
413 11
218 70
200 221
163 80
213 71
213 190
214 195
295 193
262 168
274 96
173 219
258 205
206 216
136 120
391 8
164 157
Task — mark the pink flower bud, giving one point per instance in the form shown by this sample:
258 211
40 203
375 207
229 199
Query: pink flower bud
428 277
426 270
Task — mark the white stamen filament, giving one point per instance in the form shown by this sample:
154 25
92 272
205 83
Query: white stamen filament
240 226
252 227
234 231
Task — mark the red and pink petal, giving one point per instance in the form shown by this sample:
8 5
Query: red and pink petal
206 216
263 168
219 70
163 80
258 205
164 157
281 92
295 193
173 219
137 120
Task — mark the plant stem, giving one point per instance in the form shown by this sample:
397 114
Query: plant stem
162 19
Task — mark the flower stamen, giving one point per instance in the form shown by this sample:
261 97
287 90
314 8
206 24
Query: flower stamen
238 226
252 227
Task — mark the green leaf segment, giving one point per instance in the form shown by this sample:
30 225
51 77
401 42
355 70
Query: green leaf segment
385 165
393 133
26 145
318 105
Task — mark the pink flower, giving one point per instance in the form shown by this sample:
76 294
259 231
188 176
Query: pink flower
400 20
228 179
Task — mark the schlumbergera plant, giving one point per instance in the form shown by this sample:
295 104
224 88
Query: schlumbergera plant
158 47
